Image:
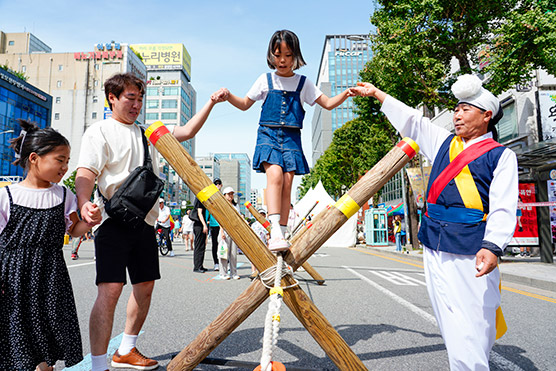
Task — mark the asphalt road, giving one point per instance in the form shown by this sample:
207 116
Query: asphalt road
378 304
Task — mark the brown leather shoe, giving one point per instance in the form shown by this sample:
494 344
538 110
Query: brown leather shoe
133 359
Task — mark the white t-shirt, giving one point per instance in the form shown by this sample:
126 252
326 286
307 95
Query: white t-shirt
163 214
187 224
42 198
259 90
112 150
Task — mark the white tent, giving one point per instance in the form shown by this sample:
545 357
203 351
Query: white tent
346 235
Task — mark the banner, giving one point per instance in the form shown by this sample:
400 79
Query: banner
547 108
551 188
526 229
419 181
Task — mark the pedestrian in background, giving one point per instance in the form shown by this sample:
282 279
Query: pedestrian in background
231 256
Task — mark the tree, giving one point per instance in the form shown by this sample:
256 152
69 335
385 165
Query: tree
417 42
69 182
355 148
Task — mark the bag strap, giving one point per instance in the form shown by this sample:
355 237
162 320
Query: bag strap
468 155
147 162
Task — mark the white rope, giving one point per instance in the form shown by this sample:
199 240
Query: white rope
272 320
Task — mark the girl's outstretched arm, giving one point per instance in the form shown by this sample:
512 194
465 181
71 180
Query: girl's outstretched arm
331 103
242 103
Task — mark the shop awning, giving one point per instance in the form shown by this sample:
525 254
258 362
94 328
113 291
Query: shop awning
537 156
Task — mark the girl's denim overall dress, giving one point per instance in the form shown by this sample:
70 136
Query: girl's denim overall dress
279 134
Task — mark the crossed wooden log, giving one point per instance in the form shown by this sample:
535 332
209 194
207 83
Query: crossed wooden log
266 224
304 244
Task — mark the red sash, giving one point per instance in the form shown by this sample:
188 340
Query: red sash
469 154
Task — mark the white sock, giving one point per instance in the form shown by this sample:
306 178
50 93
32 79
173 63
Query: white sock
99 363
127 344
275 230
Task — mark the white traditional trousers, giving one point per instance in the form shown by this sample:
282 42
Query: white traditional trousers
464 306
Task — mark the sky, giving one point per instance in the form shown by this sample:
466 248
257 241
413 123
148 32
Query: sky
227 41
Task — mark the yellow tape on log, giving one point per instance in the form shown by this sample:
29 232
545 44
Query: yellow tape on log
347 206
207 192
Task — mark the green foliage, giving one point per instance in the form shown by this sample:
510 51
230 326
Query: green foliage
21 75
417 41
355 148
70 181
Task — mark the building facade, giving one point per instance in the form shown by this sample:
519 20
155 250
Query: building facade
171 99
343 56
210 166
19 100
235 171
75 81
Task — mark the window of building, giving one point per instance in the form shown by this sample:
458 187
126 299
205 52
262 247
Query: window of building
151 116
59 83
60 67
56 116
94 116
152 103
507 126
169 103
58 99
152 92
168 116
24 69
11 43
96 83
169 90
97 67
95 99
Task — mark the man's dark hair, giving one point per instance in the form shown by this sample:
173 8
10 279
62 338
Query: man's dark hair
117 84
217 181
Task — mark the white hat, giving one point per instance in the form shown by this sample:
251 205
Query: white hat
469 89
228 190
160 200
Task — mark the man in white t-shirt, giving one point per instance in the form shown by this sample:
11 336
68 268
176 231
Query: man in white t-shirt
163 221
110 150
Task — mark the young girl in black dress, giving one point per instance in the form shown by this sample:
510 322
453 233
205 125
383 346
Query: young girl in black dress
38 325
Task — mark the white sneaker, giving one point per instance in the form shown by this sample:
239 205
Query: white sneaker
225 277
236 277
216 268
172 253
278 244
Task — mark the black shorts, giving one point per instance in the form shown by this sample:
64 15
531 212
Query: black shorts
118 247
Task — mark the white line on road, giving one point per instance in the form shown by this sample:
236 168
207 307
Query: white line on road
398 278
395 297
80 265
495 357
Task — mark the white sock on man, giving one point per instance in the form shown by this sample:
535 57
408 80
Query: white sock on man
127 344
275 230
99 363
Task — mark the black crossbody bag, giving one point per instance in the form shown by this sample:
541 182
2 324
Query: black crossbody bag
137 195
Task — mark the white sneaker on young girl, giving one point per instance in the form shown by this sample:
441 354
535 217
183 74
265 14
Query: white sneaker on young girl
278 244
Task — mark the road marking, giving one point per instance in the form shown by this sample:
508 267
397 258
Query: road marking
495 357
536 296
393 259
398 278
505 288
86 363
80 265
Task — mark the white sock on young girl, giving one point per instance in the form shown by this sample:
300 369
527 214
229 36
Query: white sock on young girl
275 230
99 363
127 344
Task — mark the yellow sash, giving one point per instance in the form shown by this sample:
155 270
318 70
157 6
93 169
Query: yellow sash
472 200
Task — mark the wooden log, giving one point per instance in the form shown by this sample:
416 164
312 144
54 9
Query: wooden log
298 302
266 224
228 217
329 221
250 244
